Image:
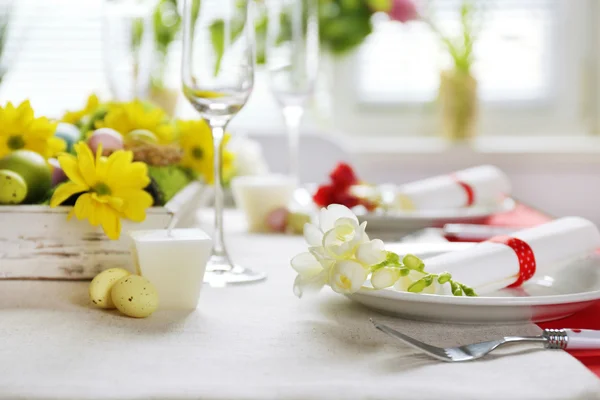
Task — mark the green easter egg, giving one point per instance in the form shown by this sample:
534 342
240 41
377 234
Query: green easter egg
34 170
13 188
140 135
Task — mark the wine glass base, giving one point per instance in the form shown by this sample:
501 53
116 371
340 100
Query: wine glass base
220 272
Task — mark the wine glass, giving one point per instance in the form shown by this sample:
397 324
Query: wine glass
128 47
218 75
292 53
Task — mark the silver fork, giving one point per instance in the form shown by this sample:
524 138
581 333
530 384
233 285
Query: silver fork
550 338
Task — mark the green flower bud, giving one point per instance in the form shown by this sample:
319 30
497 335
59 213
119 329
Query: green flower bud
428 280
413 262
418 286
456 289
444 277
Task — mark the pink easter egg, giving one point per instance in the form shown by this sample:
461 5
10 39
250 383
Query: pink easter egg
58 175
110 139
277 219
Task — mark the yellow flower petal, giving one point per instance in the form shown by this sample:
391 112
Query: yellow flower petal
84 209
70 167
64 191
111 224
114 202
36 133
136 202
86 163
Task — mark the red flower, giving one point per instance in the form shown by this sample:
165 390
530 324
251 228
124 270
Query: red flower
343 176
338 191
346 199
324 195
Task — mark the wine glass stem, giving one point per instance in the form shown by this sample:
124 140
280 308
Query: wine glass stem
218 131
293 116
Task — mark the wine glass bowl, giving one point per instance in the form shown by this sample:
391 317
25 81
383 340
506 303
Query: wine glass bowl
217 79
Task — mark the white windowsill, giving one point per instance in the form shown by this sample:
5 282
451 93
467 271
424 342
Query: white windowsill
486 145
545 152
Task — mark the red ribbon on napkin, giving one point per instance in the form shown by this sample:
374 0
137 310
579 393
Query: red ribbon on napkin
524 254
467 188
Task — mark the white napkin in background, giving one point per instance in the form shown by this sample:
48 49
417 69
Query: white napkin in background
488 266
489 186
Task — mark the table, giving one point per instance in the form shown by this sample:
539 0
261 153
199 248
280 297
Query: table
254 342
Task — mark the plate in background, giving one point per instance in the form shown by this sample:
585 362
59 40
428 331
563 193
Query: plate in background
406 221
549 295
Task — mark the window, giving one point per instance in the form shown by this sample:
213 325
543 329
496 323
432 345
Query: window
54 54
531 66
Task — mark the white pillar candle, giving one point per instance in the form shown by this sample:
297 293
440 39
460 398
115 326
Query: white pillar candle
174 262
258 195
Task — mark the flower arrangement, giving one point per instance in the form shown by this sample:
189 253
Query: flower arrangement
341 255
458 87
109 160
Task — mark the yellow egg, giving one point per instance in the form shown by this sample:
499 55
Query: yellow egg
135 296
102 284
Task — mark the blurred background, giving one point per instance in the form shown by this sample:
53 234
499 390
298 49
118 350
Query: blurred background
530 105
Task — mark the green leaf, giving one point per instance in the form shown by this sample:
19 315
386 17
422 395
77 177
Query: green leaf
380 5
413 262
137 33
404 271
444 277
217 37
418 286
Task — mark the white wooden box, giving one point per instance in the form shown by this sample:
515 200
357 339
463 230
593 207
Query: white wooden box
37 242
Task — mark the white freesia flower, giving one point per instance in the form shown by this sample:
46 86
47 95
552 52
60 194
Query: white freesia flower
385 277
347 276
338 232
341 254
371 253
342 241
313 272
336 236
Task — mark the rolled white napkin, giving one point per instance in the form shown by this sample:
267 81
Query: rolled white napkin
487 186
490 266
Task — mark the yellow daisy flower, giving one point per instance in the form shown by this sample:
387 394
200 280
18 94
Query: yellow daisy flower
73 117
196 141
19 129
127 117
112 188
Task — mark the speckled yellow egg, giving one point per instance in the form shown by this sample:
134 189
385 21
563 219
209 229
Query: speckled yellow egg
135 296
103 283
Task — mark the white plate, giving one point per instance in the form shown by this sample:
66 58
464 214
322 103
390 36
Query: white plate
549 295
412 220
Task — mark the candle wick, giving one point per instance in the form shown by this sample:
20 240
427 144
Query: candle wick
172 225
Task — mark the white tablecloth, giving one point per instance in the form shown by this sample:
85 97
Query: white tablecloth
254 342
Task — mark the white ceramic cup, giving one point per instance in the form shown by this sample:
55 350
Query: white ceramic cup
258 195
174 262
